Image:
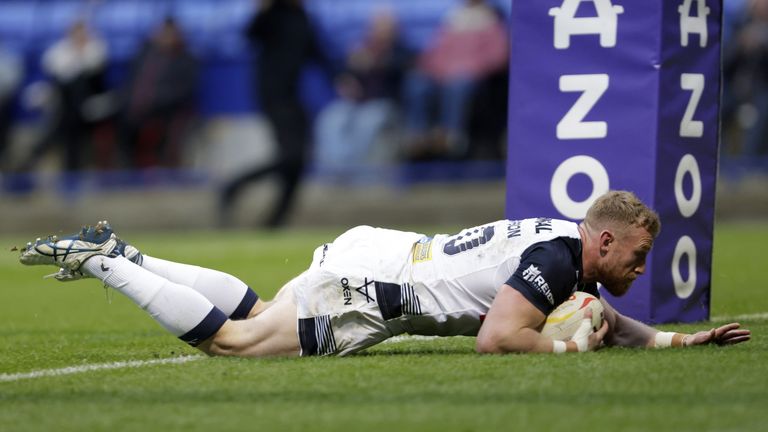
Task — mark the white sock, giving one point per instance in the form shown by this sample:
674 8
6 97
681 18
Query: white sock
225 291
180 310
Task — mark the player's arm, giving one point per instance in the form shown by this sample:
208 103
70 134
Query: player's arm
627 332
513 325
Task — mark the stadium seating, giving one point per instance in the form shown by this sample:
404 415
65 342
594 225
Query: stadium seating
214 32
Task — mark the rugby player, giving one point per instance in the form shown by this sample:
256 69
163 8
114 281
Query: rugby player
496 281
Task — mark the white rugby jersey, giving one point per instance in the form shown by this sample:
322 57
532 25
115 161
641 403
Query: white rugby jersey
451 280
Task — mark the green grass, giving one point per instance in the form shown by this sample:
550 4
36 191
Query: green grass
437 385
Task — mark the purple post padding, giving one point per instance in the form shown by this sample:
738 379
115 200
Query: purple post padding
619 94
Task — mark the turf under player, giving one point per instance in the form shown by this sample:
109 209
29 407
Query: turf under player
497 281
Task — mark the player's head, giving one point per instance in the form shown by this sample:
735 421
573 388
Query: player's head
620 210
623 230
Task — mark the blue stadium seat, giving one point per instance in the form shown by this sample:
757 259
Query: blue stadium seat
18 25
214 29
125 24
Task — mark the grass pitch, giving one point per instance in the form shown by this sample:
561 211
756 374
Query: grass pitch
426 385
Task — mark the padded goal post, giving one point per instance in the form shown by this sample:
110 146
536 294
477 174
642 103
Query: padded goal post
622 94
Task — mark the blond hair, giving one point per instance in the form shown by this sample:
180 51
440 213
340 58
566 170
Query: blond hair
619 210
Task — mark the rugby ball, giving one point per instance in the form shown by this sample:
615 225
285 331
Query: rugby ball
563 322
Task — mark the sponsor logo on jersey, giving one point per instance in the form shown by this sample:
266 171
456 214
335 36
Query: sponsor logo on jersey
346 291
533 275
422 250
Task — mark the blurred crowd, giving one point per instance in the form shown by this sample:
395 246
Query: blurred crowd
392 102
135 123
745 81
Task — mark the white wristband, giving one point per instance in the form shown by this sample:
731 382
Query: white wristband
663 339
559 347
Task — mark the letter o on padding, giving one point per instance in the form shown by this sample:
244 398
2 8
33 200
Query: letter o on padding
685 246
688 206
558 190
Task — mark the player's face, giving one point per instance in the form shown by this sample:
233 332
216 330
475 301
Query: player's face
624 259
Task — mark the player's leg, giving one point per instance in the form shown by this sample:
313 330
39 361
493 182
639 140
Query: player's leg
228 293
194 319
182 311
270 333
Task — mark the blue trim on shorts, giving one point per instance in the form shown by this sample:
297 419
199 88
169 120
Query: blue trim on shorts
390 300
316 336
206 329
245 305
307 338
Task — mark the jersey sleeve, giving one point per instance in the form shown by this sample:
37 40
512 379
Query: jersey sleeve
546 275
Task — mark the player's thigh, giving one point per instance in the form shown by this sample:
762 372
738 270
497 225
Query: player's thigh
285 294
270 333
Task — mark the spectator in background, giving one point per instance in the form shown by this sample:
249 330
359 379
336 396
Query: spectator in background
159 99
735 13
11 74
349 128
486 121
470 45
76 67
287 42
745 70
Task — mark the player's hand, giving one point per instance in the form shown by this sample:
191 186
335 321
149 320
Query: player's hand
586 338
596 338
728 334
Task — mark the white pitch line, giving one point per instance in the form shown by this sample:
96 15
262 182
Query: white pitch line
759 315
184 359
95 367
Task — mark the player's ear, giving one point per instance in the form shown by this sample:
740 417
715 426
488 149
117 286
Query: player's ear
606 238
